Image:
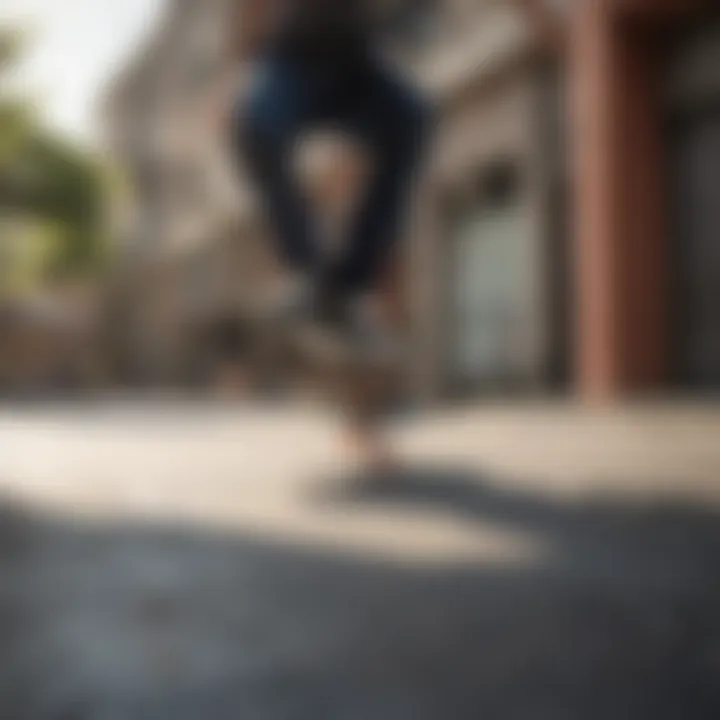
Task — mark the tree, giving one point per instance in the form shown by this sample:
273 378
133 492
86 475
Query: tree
45 179
66 186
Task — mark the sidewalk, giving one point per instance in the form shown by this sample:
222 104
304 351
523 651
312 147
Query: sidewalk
235 466
197 561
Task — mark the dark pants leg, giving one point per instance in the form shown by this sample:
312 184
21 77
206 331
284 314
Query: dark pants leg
265 132
368 102
391 119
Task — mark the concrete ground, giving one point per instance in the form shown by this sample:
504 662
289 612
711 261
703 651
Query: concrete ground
192 562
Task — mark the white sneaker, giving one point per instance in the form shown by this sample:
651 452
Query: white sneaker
342 330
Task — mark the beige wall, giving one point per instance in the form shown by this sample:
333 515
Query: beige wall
497 121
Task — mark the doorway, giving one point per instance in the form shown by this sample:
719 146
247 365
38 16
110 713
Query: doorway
491 324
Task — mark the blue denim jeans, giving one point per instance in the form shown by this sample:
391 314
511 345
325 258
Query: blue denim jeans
370 103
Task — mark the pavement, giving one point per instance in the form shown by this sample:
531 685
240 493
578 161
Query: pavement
183 561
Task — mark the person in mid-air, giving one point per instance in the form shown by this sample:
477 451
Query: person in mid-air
318 63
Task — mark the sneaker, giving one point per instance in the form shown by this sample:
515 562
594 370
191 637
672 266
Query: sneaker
351 330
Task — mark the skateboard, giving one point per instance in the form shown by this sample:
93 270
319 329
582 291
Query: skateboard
314 359
362 390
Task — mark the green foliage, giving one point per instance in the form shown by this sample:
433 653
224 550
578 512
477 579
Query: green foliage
48 181
26 249
67 186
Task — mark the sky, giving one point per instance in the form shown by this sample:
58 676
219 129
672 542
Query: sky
74 47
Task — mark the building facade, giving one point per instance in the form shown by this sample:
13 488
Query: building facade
566 232
487 260
187 243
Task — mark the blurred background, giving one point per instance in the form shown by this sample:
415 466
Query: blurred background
552 549
565 239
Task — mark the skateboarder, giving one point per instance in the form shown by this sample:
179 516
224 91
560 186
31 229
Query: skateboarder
318 65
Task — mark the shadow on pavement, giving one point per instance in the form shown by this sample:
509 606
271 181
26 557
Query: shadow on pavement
131 621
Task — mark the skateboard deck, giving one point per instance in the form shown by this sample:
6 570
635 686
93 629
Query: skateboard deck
363 390
360 388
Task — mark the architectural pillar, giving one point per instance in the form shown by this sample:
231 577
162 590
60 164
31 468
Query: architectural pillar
621 250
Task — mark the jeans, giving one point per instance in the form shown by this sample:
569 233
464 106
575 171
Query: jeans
370 103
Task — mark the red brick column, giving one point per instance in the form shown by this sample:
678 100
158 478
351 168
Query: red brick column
621 251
